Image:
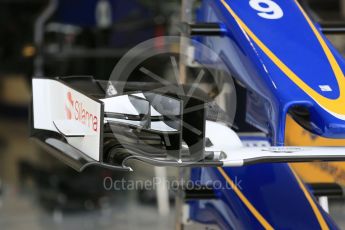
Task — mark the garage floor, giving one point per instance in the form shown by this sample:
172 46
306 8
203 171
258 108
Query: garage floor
21 211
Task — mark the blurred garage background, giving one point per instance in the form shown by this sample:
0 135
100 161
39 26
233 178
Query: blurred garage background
76 37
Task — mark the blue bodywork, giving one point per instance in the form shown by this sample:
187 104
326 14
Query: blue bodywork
271 188
283 63
293 42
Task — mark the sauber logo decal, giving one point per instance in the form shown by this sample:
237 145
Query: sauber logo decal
75 110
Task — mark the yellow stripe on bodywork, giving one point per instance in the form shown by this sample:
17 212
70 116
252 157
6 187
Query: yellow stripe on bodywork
245 201
316 210
314 172
333 106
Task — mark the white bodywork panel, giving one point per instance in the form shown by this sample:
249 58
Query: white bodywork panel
71 128
59 108
119 104
226 141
